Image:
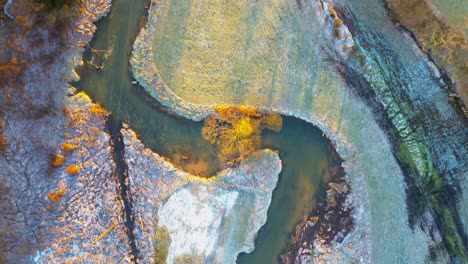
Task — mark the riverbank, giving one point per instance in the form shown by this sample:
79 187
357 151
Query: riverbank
428 141
441 35
327 225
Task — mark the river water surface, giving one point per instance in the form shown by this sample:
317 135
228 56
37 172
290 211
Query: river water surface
304 152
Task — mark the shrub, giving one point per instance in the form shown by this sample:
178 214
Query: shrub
236 130
3 141
58 160
73 169
444 43
56 196
10 71
69 147
273 122
98 110
95 130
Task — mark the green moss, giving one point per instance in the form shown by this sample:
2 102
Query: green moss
404 155
451 236
429 192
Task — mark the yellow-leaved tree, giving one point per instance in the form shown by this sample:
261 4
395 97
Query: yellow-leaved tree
236 130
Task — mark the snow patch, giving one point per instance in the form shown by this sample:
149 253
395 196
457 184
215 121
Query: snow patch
194 217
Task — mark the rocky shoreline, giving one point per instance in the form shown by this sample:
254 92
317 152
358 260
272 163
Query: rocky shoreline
328 224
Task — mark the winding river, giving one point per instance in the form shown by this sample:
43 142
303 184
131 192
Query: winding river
306 155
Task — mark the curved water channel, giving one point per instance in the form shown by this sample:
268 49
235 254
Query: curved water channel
305 153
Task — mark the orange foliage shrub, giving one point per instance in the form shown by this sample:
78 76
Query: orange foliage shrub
69 147
98 110
337 22
62 250
58 161
73 169
66 111
236 130
78 119
332 12
56 196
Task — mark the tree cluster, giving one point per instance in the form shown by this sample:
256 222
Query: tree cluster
236 130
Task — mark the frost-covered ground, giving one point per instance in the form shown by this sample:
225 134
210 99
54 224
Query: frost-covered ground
58 190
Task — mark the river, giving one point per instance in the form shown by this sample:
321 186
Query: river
304 152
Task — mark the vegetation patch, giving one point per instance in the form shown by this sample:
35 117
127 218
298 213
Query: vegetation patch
236 130
56 196
161 244
58 160
73 169
69 147
447 44
430 192
99 111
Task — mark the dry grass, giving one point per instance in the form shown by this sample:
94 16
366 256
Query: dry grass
104 234
446 42
447 45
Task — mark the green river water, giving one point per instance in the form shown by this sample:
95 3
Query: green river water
304 152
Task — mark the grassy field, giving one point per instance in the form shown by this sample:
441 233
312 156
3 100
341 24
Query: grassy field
214 51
